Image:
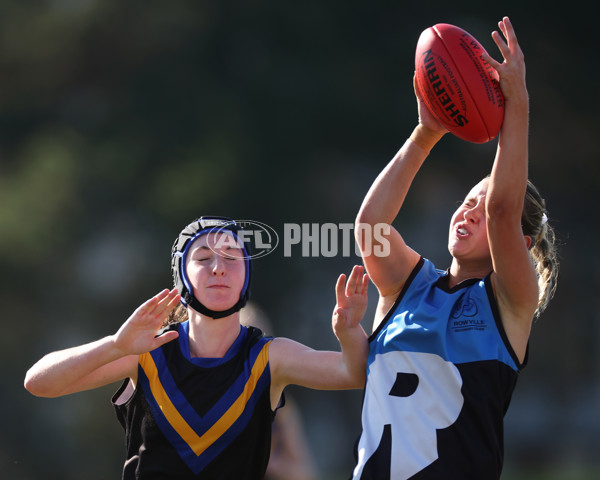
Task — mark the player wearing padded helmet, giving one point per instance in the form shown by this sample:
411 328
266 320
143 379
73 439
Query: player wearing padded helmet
179 254
198 397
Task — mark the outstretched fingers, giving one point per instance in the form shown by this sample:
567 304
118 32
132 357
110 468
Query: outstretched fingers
167 304
159 306
512 69
150 305
357 283
351 299
501 44
508 31
138 334
354 295
162 306
507 43
352 283
340 288
365 284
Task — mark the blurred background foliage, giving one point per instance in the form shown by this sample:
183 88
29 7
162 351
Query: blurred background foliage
121 121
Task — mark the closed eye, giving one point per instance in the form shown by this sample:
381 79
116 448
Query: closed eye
234 254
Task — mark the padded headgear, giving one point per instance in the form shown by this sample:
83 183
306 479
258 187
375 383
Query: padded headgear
180 250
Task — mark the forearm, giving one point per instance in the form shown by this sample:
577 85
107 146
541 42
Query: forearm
509 175
508 180
355 348
56 373
106 360
387 194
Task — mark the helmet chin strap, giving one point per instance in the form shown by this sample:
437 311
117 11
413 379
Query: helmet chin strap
194 303
181 247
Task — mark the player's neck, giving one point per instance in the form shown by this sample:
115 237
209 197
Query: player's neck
460 272
212 338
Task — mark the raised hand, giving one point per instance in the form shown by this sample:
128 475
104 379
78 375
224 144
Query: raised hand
138 334
512 69
426 118
351 299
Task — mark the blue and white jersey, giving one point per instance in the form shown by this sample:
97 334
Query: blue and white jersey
440 375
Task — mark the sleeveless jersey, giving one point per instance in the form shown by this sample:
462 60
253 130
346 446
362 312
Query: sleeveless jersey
440 376
199 418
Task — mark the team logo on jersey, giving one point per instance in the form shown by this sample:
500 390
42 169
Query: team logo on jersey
465 316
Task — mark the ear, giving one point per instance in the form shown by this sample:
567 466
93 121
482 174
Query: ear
528 241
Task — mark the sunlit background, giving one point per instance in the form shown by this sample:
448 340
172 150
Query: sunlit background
121 121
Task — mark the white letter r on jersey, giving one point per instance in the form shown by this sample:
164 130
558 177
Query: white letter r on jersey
417 394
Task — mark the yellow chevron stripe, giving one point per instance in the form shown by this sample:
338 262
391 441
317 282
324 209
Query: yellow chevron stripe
197 443
164 402
236 409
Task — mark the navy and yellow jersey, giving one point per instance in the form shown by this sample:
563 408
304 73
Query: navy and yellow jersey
440 376
199 418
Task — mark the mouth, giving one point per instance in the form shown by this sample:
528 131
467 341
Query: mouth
218 286
461 231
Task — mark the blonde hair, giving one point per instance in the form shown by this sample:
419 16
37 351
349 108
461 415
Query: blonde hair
180 314
543 248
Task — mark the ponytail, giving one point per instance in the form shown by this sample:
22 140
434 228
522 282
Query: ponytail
543 250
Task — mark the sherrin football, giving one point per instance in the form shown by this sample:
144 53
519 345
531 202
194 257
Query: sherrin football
457 85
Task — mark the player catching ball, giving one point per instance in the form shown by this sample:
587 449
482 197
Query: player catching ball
447 346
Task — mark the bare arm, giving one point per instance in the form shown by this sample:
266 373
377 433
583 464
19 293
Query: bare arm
79 368
382 204
106 360
514 277
294 363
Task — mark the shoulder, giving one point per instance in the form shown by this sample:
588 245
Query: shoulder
255 340
255 334
424 273
281 348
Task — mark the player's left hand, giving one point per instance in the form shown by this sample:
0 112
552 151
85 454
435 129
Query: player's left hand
512 69
351 299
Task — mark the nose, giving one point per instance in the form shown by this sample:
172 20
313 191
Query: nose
470 216
473 215
218 266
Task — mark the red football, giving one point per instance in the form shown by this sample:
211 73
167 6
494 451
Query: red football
457 85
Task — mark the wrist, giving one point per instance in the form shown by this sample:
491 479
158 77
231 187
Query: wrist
425 137
115 348
349 334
